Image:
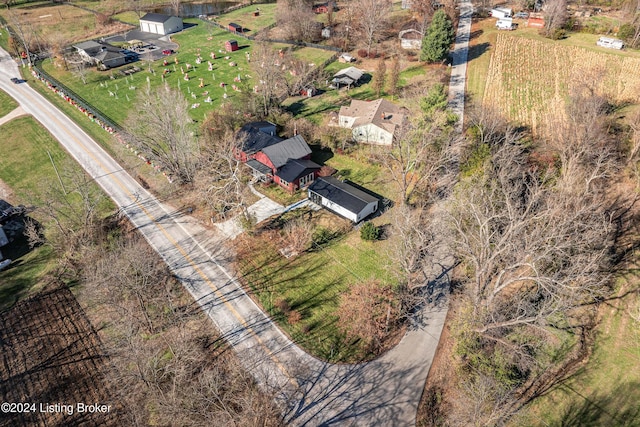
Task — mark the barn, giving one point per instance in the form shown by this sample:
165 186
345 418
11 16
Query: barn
235 28
231 45
157 23
342 198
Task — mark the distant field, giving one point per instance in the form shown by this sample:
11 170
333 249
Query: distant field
244 16
61 23
529 79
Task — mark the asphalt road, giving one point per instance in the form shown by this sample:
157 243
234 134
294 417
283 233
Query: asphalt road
457 83
384 392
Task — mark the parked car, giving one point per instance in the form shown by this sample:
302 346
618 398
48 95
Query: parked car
521 15
167 51
4 264
15 80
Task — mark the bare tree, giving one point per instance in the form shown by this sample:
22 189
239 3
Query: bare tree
372 16
368 311
297 19
267 67
297 235
220 179
162 130
394 76
379 76
555 16
175 6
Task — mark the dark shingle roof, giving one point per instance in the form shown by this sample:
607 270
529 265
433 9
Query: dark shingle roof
293 148
342 194
155 17
254 140
295 169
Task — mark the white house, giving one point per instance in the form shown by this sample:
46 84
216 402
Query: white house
157 23
410 39
342 198
373 122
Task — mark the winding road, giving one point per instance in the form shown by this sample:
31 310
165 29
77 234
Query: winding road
384 392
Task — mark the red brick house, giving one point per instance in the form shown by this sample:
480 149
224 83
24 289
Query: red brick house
286 163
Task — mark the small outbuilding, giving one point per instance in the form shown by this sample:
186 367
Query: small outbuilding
410 39
235 28
347 77
157 23
535 22
231 45
501 12
342 198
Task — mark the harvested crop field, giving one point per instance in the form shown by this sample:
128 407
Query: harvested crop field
51 355
529 80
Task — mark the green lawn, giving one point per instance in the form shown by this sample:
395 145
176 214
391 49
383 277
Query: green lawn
7 103
26 168
362 172
311 285
606 391
201 38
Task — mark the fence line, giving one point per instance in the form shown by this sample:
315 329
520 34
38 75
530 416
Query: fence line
75 97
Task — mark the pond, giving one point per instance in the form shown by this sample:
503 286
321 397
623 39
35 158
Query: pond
190 10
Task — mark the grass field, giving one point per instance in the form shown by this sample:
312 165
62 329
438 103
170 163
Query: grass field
26 168
606 391
7 104
61 23
244 17
200 38
311 285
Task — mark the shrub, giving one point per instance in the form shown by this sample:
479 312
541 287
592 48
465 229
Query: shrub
362 53
368 231
321 236
283 305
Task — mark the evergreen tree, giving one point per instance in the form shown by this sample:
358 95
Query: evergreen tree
438 38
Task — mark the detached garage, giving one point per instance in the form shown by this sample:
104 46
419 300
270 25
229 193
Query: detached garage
157 23
342 198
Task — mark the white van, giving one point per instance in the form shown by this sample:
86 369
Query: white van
505 24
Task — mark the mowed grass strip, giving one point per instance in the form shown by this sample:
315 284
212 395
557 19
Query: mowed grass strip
7 103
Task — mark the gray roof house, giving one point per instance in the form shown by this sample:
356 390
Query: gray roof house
292 148
342 198
374 122
347 77
157 23
102 54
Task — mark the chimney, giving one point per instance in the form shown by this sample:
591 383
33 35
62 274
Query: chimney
382 115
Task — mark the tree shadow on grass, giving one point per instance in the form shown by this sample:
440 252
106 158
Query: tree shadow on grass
617 408
477 51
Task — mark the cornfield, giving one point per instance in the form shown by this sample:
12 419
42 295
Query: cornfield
529 80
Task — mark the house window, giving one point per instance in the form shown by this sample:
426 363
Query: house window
306 179
284 183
